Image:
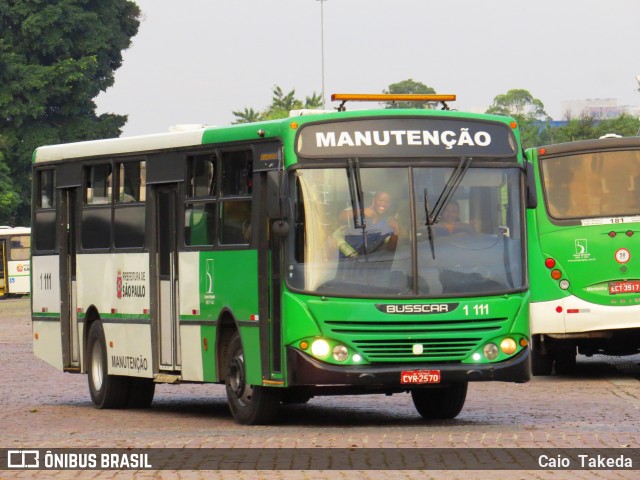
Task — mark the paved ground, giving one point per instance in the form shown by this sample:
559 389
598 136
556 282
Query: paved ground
44 408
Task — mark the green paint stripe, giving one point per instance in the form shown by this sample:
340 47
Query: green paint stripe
46 314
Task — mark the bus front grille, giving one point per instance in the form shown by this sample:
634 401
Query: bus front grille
449 349
440 340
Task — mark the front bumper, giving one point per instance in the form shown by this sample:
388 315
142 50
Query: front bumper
304 370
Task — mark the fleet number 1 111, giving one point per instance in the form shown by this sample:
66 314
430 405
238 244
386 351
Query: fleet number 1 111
482 309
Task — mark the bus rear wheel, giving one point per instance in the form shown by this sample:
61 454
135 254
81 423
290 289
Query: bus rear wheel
440 403
249 405
107 391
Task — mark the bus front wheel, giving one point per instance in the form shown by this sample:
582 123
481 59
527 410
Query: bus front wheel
249 405
444 402
107 391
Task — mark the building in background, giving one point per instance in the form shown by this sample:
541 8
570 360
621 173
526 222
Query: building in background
598 108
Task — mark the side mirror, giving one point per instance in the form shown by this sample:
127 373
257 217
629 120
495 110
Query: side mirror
277 194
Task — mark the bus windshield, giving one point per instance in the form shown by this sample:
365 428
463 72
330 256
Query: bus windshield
371 236
599 184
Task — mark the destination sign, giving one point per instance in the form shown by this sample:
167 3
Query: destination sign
406 137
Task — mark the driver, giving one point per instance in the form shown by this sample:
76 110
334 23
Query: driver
381 229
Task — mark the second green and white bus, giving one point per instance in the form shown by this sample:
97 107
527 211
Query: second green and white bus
584 252
287 259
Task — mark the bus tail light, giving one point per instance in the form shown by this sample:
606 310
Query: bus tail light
549 263
556 274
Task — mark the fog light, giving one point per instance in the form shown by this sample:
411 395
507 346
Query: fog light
564 284
491 351
320 348
476 357
340 353
356 358
508 346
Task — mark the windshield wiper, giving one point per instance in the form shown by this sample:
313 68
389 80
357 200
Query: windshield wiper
357 202
448 191
428 223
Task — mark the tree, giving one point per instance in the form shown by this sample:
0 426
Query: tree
528 112
580 128
412 87
281 104
55 58
586 127
625 125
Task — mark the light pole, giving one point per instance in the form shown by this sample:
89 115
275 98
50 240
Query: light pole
322 45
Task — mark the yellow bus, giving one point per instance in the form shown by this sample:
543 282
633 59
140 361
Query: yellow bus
15 268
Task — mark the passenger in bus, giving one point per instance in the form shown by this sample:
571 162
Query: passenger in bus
450 223
380 232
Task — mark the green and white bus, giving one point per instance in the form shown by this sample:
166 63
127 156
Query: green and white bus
584 261
15 263
287 259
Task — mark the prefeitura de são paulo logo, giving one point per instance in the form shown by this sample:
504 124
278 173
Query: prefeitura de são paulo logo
119 283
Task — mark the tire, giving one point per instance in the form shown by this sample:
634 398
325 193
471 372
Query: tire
249 405
440 403
565 362
541 364
141 391
107 391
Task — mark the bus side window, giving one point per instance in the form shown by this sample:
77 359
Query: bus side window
236 190
44 231
98 186
46 189
200 208
132 182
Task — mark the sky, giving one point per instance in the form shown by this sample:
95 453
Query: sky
196 61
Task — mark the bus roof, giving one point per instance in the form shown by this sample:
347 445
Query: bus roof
6 230
589 145
199 135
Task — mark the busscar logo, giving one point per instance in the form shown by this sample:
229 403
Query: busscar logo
23 459
418 308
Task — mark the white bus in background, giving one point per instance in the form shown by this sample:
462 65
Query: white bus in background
15 268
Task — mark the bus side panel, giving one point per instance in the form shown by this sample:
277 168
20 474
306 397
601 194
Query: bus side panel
128 349
193 349
117 286
45 300
213 284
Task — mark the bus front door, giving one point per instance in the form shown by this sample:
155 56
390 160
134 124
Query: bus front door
167 274
68 311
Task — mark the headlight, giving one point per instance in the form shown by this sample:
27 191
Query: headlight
508 346
340 353
320 348
491 351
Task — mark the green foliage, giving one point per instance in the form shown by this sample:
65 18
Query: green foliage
55 58
281 104
528 111
412 87
586 128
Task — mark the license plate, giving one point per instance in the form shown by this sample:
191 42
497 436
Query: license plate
419 376
631 286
